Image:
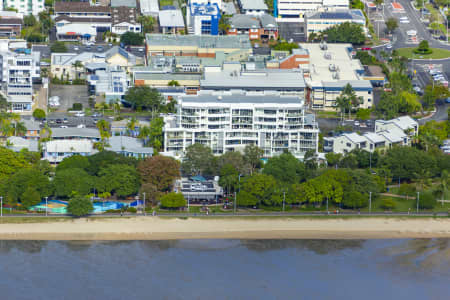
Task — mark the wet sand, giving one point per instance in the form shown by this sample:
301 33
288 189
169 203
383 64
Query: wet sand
156 228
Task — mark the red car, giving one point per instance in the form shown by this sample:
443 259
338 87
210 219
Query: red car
366 49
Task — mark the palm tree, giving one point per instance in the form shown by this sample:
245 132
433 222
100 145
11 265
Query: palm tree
144 134
131 125
20 129
77 64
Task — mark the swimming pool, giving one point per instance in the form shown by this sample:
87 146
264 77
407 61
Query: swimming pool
60 207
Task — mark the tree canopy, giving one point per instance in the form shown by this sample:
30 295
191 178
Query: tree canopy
345 33
79 206
132 39
144 97
173 200
160 171
198 160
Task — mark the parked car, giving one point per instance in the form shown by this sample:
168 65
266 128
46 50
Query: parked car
100 48
63 126
356 123
81 126
80 114
58 121
388 46
76 48
447 100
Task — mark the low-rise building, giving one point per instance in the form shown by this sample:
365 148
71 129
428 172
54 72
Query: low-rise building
129 147
230 122
31 7
318 21
203 18
299 59
404 123
63 65
33 129
87 25
171 21
149 8
124 20
76 32
331 67
11 23
17 144
261 27
295 9
74 133
253 7
198 189
55 151
111 83
192 45
80 9
123 3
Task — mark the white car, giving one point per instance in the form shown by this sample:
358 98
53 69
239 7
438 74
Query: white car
388 46
356 123
404 20
76 48
80 114
63 126
81 126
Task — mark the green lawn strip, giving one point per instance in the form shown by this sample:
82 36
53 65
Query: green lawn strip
438 53
165 2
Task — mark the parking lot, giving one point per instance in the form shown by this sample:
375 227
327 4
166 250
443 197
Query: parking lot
69 94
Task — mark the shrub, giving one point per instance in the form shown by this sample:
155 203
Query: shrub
388 204
427 201
173 200
132 210
80 206
77 106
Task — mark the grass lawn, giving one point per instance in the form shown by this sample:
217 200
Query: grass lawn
437 53
327 114
165 2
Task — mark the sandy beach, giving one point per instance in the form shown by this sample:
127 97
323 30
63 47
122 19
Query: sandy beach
155 228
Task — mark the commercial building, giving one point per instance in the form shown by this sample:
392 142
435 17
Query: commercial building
253 7
320 21
230 122
295 9
287 82
76 32
331 67
111 83
262 27
28 7
79 26
149 7
124 19
203 18
81 10
171 21
63 64
192 45
198 189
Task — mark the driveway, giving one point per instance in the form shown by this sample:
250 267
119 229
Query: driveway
70 94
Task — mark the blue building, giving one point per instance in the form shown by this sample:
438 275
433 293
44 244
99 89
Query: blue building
203 18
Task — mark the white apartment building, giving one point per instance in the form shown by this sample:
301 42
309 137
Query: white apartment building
18 71
230 122
26 7
297 8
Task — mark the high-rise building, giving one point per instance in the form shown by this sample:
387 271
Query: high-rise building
26 7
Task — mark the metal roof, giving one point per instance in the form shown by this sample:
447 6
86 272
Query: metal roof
127 3
75 132
253 5
171 18
127 144
241 98
200 41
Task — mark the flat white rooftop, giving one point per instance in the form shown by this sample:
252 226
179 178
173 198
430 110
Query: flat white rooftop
324 64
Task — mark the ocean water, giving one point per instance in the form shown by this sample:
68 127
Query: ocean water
226 269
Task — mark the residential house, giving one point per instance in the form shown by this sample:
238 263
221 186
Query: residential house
404 123
348 142
64 65
129 147
122 127
253 7
11 23
74 133
171 21
117 56
261 27
17 144
33 129
149 8
124 19
56 150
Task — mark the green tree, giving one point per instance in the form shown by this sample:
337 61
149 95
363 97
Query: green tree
198 160
252 156
156 133
229 177
391 24
173 200
173 83
283 46
77 65
121 180
363 113
68 181
235 159
23 180
73 162
10 163
160 171
39 114
105 159
79 206
285 168
3 104
147 23
132 39
345 33
423 48
388 204
426 200
333 159
261 187
30 197
103 128
141 97
58 47
347 100
29 21
354 199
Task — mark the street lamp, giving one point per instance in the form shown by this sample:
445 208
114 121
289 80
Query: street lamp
235 193
370 202
417 209
46 206
284 199
144 203
1 206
